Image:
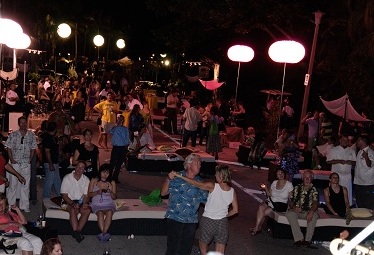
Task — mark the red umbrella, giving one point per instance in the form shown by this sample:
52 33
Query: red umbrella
211 85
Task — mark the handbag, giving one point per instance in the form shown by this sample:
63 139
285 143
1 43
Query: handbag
277 206
9 245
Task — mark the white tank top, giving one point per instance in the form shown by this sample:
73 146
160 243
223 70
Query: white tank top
218 203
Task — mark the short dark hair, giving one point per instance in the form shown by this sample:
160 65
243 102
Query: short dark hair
20 118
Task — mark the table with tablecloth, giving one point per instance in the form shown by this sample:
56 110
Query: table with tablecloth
232 134
152 100
36 121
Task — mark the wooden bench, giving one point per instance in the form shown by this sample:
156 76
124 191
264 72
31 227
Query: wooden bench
131 217
327 228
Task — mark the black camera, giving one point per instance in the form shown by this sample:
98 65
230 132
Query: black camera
104 190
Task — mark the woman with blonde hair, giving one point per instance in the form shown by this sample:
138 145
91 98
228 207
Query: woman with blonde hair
214 222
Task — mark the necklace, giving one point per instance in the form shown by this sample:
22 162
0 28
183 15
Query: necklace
103 180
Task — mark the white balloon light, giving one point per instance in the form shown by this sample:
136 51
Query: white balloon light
287 52
98 40
64 30
19 41
240 53
8 28
120 43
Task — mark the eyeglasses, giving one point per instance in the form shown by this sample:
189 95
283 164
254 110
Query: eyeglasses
22 140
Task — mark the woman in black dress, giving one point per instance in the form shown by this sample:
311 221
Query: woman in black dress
88 152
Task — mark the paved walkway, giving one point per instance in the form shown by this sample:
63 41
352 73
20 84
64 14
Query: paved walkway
245 181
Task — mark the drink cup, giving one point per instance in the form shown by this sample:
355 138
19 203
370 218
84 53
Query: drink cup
43 223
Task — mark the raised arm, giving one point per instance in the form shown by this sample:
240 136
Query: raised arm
201 185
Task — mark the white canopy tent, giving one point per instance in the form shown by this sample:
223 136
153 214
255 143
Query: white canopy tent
342 107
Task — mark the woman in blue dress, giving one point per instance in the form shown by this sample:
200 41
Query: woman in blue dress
290 155
103 192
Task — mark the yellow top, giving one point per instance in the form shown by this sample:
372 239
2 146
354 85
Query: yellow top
108 110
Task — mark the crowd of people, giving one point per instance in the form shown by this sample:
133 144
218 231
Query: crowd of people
125 121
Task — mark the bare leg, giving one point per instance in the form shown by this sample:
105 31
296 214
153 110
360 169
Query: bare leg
100 221
203 248
108 220
27 253
105 138
260 216
85 213
220 247
73 217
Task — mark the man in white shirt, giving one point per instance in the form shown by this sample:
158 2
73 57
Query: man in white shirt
191 117
342 158
364 174
131 101
74 190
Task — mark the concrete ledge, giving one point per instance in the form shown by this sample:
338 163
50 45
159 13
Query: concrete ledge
132 217
327 228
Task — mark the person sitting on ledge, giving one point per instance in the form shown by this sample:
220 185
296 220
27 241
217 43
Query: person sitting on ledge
74 190
103 192
336 197
303 204
278 195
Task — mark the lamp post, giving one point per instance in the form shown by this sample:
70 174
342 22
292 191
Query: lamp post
317 21
286 52
19 41
240 53
64 31
98 41
120 44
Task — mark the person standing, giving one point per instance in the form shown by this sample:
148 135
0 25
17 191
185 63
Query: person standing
88 152
74 190
312 120
21 145
191 117
120 142
303 204
213 145
10 104
364 174
108 110
214 222
342 158
184 201
172 102
50 161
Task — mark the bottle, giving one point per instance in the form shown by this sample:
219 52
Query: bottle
80 201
